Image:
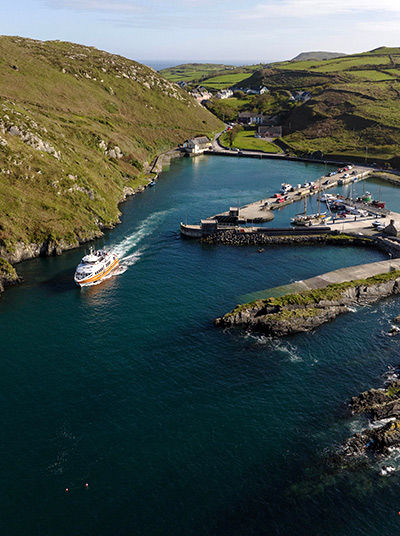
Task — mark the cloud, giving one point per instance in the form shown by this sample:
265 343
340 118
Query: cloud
95 5
317 8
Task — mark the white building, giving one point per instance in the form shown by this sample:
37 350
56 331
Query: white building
197 145
224 94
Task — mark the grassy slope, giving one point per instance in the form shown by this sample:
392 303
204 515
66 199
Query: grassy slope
355 103
210 75
99 97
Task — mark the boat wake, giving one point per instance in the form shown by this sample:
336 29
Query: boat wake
145 229
128 250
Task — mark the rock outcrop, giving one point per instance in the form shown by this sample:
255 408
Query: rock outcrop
375 440
379 405
8 275
295 313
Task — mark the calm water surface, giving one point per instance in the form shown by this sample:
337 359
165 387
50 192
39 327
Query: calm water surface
176 427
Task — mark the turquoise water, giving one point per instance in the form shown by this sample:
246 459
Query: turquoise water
176 427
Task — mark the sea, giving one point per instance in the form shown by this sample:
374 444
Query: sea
158 65
126 412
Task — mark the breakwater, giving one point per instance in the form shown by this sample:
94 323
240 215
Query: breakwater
304 311
289 236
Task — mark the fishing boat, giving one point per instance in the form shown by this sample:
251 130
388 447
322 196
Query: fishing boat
95 267
367 197
304 219
310 219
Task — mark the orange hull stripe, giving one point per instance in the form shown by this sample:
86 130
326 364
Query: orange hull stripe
99 276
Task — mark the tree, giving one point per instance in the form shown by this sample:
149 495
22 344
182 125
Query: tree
233 133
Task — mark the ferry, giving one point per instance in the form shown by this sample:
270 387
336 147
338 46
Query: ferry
94 267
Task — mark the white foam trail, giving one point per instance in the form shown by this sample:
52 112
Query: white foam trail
145 229
124 248
275 344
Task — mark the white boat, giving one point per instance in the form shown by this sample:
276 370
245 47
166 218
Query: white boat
94 267
286 187
327 197
308 220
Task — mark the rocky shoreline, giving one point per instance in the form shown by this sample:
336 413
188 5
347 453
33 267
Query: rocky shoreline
22 252
305 311
382 407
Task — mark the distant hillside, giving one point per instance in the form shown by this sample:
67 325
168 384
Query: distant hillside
315 55
77 127
355 103
210 75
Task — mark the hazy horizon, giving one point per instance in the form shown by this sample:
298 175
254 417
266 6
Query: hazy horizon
227 31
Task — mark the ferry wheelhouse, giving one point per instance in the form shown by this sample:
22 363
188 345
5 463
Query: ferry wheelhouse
94 267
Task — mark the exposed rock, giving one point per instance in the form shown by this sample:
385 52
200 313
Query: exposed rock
33 140
306 311
8 275
378 403
114 152
383 407
376 440
76 188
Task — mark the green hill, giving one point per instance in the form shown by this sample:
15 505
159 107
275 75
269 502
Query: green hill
317 55
77 127
210 75
355 105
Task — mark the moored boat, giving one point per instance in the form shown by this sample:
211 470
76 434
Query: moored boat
308 220
286 188
95 267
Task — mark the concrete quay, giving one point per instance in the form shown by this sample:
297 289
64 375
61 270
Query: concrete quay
262 210
362 271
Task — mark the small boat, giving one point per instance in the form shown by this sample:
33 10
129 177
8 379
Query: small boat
152 183
94 267
286 188
367 197
308 220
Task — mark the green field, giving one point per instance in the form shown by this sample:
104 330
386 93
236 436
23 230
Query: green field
210 75
355 101
193 72
246 140
225 81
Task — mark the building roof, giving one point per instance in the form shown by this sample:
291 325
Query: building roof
200 139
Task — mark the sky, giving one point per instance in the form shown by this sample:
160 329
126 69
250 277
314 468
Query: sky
236 31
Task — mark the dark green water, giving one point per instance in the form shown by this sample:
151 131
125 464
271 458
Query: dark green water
179 428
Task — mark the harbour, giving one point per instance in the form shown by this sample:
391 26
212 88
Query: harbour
163 414
262 211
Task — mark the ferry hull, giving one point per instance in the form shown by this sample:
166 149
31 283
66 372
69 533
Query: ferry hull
97 278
